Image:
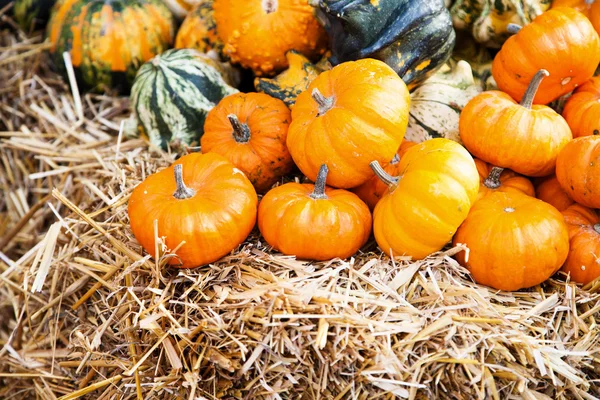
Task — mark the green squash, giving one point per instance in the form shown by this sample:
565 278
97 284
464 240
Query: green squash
31 14
487 20
173 93
435 106
414 37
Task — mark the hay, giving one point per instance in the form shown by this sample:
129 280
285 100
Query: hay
84 313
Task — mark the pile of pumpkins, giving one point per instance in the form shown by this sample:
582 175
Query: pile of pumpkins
402 138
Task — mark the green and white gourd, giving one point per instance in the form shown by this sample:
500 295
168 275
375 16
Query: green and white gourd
173 93
435 106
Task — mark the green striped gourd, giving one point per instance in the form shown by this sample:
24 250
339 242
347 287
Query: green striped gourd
173 93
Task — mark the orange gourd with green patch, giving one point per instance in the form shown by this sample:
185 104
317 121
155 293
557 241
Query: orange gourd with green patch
108 41
199 30
250 130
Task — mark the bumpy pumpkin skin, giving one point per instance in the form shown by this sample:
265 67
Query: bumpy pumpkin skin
260 151
583 262
372 190
215 220
290 83
521 137
561 41
258 33
578 170
488 20
515 241
415 44
108 40
435 106
30 14
589 9
437 185
509 181
550 191
199 30
582 110
335 225
364 120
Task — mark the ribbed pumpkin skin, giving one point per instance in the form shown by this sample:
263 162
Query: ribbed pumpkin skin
199 30
583 262
550 191
108 40
32 13
582 110
509 181
590 10
578 170
172 95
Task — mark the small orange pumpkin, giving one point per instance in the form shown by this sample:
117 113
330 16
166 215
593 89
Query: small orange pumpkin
353 114
314 222
582 110
523 137
250 130
561 41
496 179
578 170
583 262
371 191
258 33
589 8
550 191
203 206
515 241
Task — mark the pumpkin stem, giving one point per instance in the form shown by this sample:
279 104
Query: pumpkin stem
270 6
527 100
597 228
183 192
325 103
493 179
241 132
381 174
395 160
513 28
589 2
319 191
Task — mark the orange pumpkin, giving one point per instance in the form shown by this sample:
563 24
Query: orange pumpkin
589 8
583 262
353 114
428 201
203 205
550 191
578 170
496 179
561 41
515 241
314 222
258 33
199 30
371 191
582 110
250 130
523 137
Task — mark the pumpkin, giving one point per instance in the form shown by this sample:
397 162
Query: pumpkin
290 83
488 20
371 191
582 110
515 241
258 33
414 37
108 40
428 201
550 191
250 130
523 137
561 41
589 8
173 93
435 106
314 222
199 30
494 179
31 14
353 114
578 170
583 261
203 205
